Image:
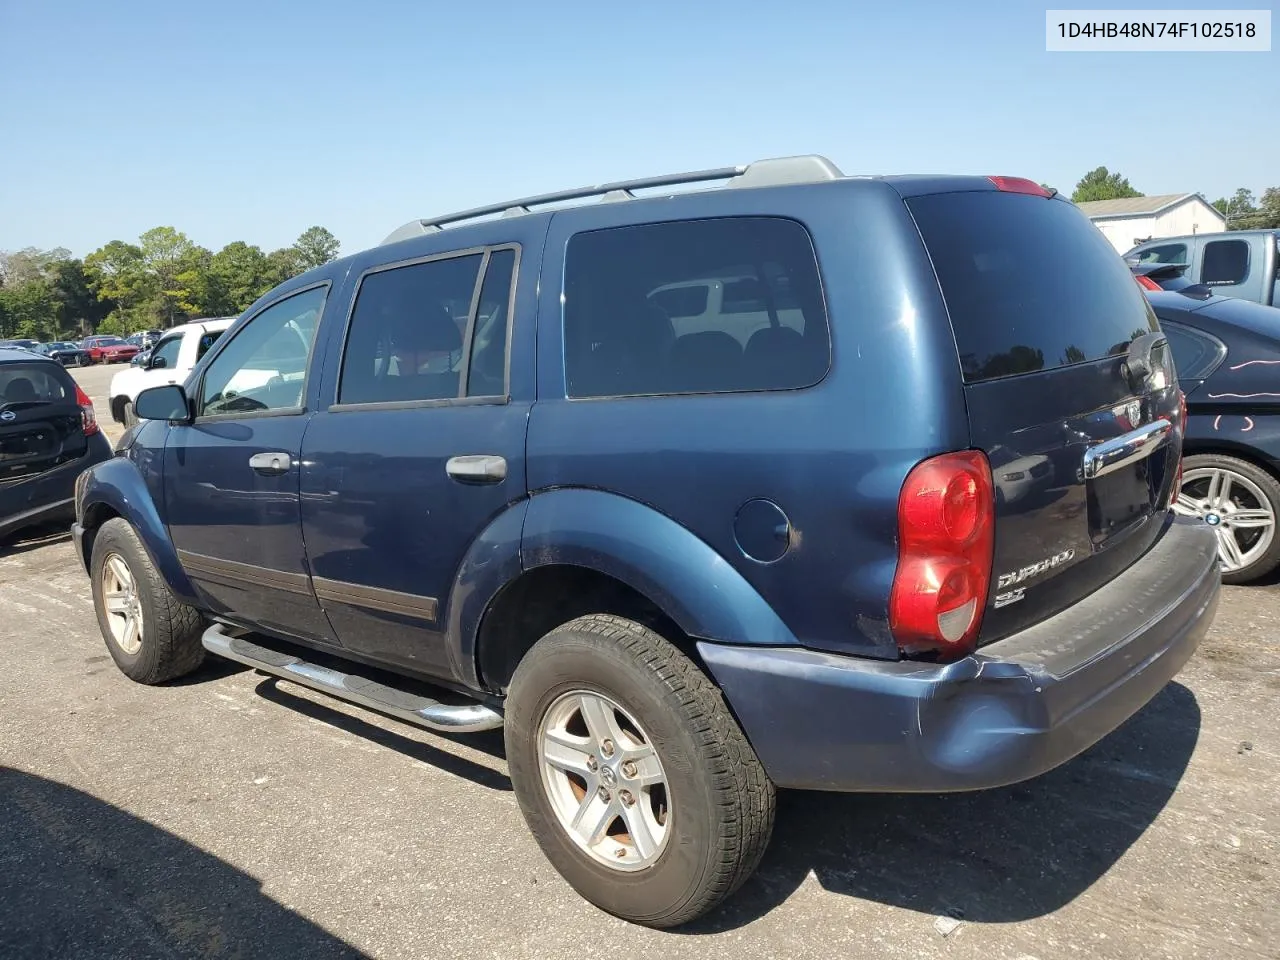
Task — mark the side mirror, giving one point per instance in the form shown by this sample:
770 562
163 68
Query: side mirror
163 403
158 363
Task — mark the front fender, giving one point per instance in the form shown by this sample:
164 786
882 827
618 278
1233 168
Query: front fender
116 487
688 580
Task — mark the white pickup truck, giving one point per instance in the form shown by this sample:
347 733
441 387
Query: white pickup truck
171 361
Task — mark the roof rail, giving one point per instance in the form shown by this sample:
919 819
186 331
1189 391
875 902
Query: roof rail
762 173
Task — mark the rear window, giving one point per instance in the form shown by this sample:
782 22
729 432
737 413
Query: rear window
1195 354
1030 284
32 383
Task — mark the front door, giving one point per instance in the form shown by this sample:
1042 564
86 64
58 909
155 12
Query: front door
231 476
424 446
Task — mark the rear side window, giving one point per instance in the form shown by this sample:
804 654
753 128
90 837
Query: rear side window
694 306
1195 354
23 383
409 329
1167 253
1030 284
1225 262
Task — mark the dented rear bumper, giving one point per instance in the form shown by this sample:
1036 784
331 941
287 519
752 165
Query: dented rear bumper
1013 710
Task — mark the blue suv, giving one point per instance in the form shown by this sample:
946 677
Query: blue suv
801 481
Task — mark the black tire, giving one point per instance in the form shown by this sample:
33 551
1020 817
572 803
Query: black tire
721 801
82 361
1270 489
170 643
127 415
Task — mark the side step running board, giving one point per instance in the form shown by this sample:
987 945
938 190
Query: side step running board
466 718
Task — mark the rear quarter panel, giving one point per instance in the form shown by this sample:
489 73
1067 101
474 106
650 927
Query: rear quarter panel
832 456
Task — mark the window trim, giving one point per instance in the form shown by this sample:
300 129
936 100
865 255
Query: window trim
223 342
1248 262
462 400
822 291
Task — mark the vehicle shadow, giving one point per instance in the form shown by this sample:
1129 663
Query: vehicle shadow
994 856
83 878
33 538
490 742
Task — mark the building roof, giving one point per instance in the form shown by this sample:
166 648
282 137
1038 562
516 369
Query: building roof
1138 206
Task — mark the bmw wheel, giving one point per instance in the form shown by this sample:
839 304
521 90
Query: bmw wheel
1241 502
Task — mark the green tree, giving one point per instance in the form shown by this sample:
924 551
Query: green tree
29 310
174 264
79 310
117 275
1102 184
239 273
283 264
316 247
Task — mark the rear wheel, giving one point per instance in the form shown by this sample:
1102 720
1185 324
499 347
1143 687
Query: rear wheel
151 635
1241 502
632 775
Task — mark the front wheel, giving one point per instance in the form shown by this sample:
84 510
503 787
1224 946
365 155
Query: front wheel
634 778
127 415
1241 502
150 633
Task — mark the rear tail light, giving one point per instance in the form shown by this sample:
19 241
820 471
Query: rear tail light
88 419
1020 185
1146 283
946 532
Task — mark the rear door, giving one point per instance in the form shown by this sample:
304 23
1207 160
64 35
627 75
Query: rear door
1082 449
41 426
422 448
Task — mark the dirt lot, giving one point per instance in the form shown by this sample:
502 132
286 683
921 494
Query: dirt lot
231 816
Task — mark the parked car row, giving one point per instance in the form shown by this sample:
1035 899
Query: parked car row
93 349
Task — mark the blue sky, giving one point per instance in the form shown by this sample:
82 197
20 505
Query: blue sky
237 120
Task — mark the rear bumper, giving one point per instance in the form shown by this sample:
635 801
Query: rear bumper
50 495
1015 709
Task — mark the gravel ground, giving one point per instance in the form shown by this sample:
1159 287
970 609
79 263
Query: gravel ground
233 816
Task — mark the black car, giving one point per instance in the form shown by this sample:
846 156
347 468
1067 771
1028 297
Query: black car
66 353
1166 276
1227 353
48 435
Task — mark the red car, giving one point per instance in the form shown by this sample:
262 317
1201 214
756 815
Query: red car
108 350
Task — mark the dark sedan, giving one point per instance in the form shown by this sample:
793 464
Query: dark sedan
1227 353
66 353
48 435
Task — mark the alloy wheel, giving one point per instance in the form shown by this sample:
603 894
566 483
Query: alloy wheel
604 780
123 605
1235 507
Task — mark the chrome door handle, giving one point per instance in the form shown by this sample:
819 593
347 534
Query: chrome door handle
481 468
1126 449
271 464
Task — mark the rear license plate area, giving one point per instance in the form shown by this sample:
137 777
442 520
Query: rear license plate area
1122 500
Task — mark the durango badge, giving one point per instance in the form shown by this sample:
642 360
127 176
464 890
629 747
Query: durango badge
1007 580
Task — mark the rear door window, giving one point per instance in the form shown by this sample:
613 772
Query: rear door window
1029 283
1225 262
694 306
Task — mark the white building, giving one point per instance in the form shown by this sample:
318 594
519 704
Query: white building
1132 220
